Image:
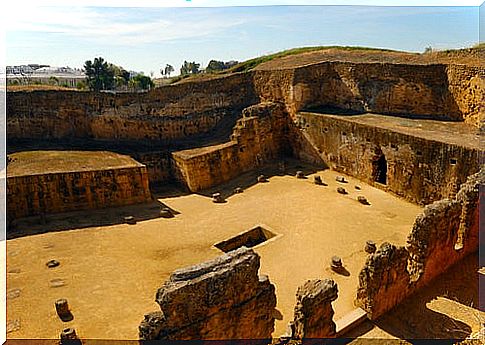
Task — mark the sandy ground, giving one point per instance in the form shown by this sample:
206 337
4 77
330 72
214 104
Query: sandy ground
110 274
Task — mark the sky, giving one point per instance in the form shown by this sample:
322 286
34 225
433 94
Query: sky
147 38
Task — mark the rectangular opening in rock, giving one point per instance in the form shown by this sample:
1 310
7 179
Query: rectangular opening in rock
250 238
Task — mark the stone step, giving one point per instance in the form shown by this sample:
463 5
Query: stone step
350 321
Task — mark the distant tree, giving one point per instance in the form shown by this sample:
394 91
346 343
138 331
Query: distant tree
99 74
168 70
428 50
215 66
189 68
141 82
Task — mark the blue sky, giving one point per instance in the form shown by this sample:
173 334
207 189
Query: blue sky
145 39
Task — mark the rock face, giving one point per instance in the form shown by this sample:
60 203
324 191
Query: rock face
412 171
216 300
78 190
444 233
313 311
258 138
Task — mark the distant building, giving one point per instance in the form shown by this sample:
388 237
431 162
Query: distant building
44 74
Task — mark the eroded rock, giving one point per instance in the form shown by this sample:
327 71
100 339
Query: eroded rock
313 316
219 299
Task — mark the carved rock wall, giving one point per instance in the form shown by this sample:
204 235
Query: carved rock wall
162 115
175 112
258 137
69 191
220 299
444 233
413 171
313 311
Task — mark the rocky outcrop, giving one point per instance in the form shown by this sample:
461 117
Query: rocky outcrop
444 233
313 311
216 300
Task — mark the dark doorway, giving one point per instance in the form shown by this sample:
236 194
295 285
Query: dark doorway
381 170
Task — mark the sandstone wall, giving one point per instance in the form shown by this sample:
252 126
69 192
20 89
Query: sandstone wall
466 85
313 310
258 137
444 233
164 114
220 299
70 191
418 169
181 111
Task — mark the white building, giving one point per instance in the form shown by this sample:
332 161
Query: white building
44 74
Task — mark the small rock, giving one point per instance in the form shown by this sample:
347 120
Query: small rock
340 179
129 220
238 190
358 187
341 190
13 325
336 263
300 174
165 212
317 180
370 247
62 309
14 270
363 200
57 282
52 263
262 178
68 334
13 293
217 198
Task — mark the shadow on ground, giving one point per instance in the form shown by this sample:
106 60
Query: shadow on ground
84 219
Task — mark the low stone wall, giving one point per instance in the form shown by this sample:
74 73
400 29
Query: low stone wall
413 169
313 311
220 299
444 233
69 191
258 137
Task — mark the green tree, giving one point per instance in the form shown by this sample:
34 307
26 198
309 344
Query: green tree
189 68
99 74
141 82
215 66
168 70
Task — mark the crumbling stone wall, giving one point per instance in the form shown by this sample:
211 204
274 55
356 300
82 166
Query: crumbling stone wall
179 111
444 233
162 115
313 310
220 299
258 137
413 169
69 191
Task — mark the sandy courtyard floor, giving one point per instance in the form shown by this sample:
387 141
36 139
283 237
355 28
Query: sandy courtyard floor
110 273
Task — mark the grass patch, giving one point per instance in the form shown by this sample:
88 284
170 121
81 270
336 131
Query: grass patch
252 63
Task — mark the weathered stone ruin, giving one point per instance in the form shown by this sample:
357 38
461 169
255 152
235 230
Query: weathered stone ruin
407 129
313 311
393 273
224 298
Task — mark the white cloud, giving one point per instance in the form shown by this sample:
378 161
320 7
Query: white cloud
115 27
